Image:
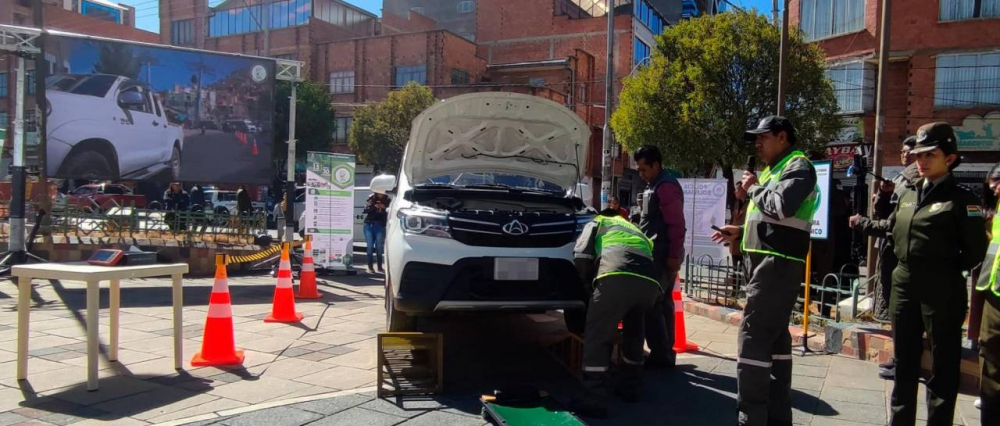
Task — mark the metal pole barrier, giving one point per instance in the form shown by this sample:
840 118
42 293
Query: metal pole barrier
805 311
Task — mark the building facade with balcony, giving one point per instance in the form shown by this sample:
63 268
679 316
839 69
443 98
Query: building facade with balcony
944 65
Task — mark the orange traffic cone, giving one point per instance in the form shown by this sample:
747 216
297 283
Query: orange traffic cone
681 344
254 151
218 346
283 308
307 276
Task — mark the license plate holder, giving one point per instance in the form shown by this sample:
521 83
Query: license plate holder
515 269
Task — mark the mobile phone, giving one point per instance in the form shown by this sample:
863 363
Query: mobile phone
720 230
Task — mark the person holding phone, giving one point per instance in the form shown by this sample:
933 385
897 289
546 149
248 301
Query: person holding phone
775 238
375 221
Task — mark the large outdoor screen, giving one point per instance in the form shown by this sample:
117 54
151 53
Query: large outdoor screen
130 111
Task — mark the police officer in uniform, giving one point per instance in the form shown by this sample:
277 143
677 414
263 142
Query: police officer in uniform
938 231
989 332
776 240
617 258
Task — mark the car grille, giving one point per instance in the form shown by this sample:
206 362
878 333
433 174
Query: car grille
489 229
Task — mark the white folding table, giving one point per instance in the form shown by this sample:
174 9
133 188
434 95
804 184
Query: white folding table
93 275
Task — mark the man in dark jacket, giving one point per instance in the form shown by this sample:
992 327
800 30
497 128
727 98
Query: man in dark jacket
663 222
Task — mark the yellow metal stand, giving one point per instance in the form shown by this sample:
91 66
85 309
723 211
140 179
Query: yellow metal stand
410 363
805 310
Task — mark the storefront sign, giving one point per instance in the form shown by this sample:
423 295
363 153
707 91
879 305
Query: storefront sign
979 133
842 156
821 220
330 207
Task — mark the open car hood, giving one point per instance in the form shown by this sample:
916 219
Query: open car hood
501 133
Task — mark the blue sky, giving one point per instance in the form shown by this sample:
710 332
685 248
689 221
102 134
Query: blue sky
147 11
763 6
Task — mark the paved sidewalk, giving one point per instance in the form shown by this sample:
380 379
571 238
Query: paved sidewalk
331 350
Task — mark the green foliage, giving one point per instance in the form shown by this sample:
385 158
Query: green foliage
314 118
117 59
380 131
711 78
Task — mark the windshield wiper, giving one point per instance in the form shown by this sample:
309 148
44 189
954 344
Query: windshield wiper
490 186
435 185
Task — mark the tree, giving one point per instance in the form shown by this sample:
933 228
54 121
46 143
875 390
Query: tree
379 131
117 59
713 77
314 118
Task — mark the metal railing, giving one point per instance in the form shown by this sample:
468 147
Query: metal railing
833 289
715 282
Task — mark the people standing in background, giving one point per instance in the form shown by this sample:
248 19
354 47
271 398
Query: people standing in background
662 221
617 207
176 200
244 206
938 233
984 319
635 215
375 221
197 196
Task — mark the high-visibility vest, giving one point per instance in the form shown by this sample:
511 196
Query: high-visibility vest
786 237
988 281
623 249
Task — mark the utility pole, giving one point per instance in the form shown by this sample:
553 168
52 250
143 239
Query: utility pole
883 65
783 58
609 83
290 174
41 118
266 5
775 12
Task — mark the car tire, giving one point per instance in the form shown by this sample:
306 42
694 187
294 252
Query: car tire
395 321
89 165
175 164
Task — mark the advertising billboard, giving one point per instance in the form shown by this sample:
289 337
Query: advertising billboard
119 110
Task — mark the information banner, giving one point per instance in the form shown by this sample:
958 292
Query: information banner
329 215
821 220
704 206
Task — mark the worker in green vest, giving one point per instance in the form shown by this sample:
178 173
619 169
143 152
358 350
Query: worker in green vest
775 237
615 261
989 331
938 228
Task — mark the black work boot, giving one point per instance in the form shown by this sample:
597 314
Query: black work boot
594 402
629 386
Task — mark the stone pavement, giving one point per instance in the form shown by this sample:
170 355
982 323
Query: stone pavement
331 350
321 372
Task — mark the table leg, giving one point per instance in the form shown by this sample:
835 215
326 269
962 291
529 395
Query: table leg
93 308
178 321
115 306
23 311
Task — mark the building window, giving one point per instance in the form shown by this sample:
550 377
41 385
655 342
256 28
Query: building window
342 82
344 16
827 18
239 20
343 131
29 81
182 32
417 73
584 9
640 52
287 56
536 82
854 86
100 11
957 10
459 76
967 80
4 120
465 6
3 85
648 16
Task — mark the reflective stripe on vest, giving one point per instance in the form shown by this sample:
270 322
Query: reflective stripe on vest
801 220
615 235
992 261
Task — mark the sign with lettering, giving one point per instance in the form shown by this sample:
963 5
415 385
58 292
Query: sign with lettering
979 133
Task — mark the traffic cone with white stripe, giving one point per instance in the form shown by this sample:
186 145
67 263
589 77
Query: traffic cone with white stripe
307 276
218 346
283 308
681 344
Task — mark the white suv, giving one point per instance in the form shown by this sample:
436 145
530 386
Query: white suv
483 216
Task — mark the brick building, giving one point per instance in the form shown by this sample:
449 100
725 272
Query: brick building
92 17
944 65
236 26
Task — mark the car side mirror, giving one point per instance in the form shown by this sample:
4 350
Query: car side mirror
383 184
127 99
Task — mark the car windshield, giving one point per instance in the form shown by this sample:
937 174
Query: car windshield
227 196
499 180
91 85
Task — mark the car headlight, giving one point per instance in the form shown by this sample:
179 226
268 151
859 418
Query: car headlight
424 223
